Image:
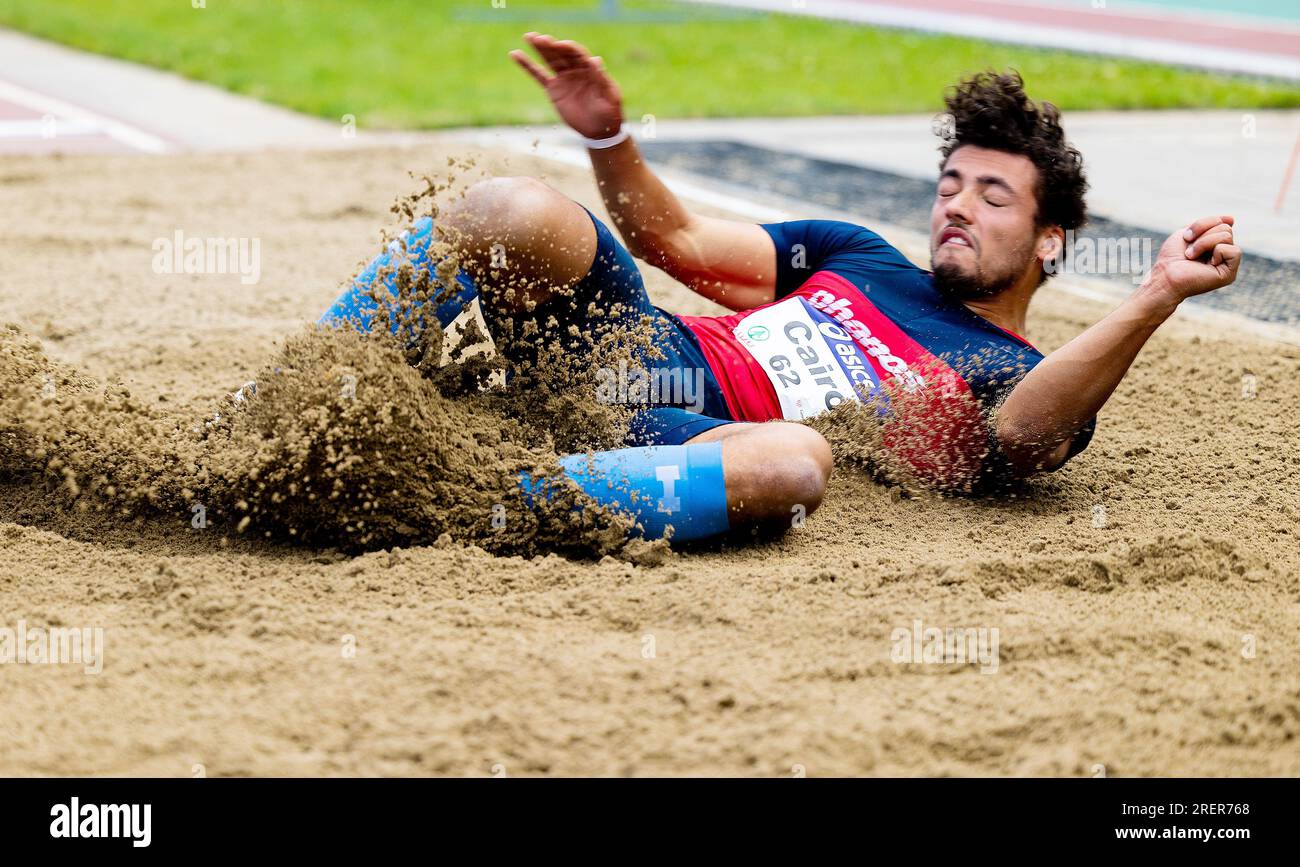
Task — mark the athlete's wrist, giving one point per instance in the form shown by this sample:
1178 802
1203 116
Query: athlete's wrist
615 139
1156 297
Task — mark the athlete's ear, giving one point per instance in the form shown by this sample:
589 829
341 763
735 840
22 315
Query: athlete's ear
1051 242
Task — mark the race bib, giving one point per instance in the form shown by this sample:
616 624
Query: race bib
811 361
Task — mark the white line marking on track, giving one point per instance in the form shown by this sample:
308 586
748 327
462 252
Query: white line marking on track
42 129
127 135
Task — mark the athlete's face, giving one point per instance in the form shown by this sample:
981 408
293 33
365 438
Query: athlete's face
982 234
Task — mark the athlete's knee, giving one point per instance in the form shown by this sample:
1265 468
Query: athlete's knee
501 204
522 234
491 192
801 466
776 469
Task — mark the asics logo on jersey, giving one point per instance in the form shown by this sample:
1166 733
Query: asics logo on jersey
838 308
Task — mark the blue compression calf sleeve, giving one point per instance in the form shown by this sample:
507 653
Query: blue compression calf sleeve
682 486
358 307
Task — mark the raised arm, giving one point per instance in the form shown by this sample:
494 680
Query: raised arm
1052 403
730 262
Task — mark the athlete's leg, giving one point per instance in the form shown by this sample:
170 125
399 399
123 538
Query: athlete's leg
520 240
359 302
682 487
774 471
712 476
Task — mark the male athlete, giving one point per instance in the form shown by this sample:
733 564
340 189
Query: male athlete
824 311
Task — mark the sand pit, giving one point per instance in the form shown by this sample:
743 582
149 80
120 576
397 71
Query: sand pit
1146 598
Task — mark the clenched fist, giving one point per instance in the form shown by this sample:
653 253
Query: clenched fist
1196 260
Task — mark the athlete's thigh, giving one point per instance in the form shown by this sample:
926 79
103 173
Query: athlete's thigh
713 433
610 298
674 426
612 288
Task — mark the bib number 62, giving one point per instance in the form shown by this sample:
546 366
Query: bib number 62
780 365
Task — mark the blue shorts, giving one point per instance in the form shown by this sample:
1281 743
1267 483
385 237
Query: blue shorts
680 393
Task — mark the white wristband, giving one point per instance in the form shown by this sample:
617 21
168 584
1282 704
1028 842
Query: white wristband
599 144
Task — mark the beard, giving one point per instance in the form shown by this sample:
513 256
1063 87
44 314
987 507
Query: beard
958 284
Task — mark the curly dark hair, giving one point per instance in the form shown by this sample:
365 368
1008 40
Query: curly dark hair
991 109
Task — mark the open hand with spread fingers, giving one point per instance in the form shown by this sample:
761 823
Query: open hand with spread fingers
583 93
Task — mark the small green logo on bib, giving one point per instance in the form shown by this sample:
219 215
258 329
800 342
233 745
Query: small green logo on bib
758 332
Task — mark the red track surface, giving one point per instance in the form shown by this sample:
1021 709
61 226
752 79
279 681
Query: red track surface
1251 39
25 130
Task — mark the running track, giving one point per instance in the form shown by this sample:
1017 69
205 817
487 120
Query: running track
1212 40
32 122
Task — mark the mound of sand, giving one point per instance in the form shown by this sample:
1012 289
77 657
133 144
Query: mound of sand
346 439
344 445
